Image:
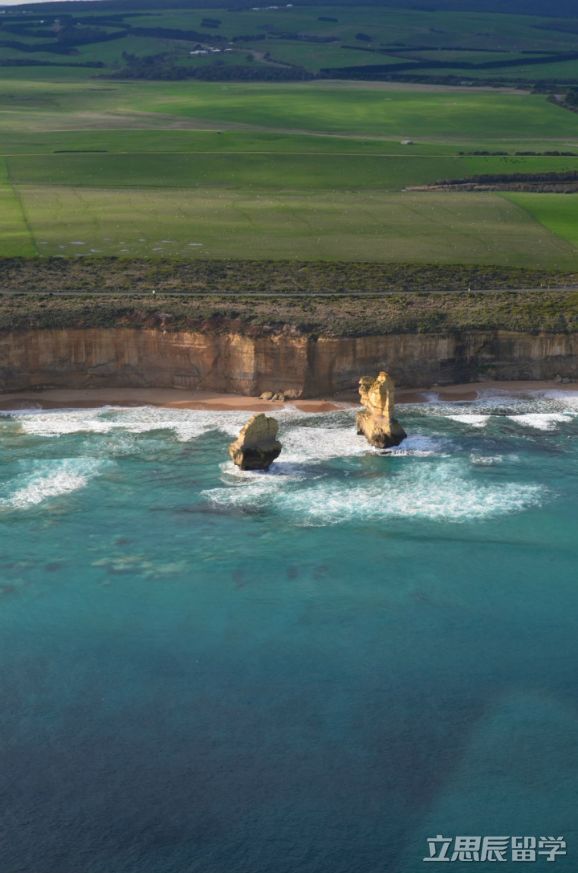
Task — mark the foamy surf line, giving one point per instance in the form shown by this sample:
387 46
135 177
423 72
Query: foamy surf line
540 410
541 421
186 424
470 418
444 492
309 437
302 484
49 479
305 435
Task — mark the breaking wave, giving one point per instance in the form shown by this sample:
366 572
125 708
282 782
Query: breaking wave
470 418
186 424
541 410
49 479
541 421
321 477
443 492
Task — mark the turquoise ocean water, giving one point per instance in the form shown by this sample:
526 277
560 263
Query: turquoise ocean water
313 670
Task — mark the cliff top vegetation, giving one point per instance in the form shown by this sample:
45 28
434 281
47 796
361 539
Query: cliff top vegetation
312 299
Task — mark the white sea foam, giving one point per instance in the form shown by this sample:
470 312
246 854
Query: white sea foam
458 503
567 398
186 424
471 418
331 437
487 460
319 443
307 439
539 410
299 485
541 420
497 402
50 479
61 422
280 472
441 493
420 446
249 490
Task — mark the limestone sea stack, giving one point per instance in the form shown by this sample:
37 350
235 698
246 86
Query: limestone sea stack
257 445
377 423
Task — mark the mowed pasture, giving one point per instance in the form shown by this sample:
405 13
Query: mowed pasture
445 114
266 166
15 236
250 172
422 228
276 171
435 115
558 213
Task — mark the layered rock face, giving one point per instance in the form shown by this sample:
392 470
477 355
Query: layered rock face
377 423
257 445
297 365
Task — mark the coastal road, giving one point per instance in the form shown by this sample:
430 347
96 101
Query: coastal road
161 294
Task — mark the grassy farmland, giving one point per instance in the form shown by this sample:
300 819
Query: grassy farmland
93 164
379 110
556 213
93 170
439 115
446 40
427 228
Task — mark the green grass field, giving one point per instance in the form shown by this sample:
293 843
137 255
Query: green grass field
15 235
445 115
82 178
265 169
558 213
422 228
250 172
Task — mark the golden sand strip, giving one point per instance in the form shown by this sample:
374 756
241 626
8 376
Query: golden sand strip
71 398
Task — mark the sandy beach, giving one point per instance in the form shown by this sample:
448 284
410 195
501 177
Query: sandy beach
90 398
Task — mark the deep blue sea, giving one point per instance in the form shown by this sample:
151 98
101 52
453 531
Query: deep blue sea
307 671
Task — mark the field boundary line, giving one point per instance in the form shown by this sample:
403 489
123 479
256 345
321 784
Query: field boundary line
22 208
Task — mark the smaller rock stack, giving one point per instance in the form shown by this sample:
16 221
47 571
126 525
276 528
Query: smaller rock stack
377 423
257 445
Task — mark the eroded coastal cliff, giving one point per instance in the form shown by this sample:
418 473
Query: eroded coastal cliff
299 364
305 329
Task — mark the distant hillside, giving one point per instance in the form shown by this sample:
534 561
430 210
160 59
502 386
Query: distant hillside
561 8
